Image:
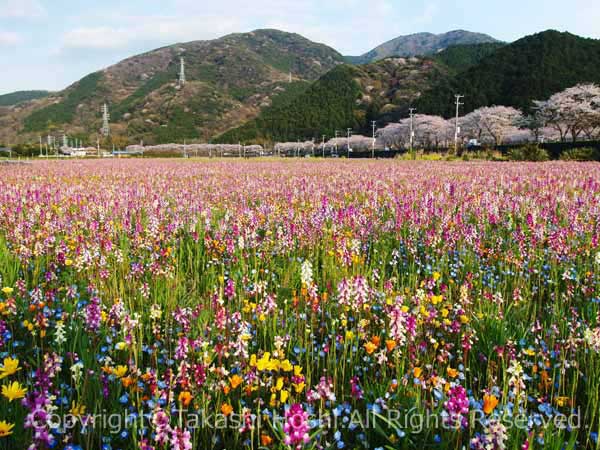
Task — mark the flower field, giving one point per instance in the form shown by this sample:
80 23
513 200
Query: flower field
160 304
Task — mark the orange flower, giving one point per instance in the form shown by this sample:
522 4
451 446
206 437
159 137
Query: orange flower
390 345
185 398
235 381
265 440
417 371
226 389
226 409
370 347
489 403
127 381
376 340
452 373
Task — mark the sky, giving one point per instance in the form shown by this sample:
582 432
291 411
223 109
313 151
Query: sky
49 44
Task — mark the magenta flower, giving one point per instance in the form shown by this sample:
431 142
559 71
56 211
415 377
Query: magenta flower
457 406
296 427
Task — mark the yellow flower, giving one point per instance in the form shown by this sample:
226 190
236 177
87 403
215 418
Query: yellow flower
436 299
10 367
436 276
68 262
13 391
286 366
6 428
120 371
349 335
283 396
279 384
299 387
77 410
7 290
263 362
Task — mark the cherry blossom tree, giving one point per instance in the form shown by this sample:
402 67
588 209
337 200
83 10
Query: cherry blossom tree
492 123
574 111
429 132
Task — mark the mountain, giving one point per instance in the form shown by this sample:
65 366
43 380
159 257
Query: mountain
229 80
460 57
348 96
14 98
532 68
421 44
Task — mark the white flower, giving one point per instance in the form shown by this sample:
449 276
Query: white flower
598 258
155 312
76 370
306 273
59 334
592 337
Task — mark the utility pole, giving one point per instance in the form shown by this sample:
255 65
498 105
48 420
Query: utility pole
323 144
374 124
336 144
456 127
411 112
349 130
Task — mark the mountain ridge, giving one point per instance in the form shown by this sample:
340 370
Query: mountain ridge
531 68
229 79
420 44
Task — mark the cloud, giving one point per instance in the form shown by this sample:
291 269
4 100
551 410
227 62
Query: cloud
146 30
98 38
428 15
9 39
21 9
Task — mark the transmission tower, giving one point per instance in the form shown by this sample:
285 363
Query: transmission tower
181 72
105 121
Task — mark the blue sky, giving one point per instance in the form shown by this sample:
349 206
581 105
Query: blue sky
48 44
